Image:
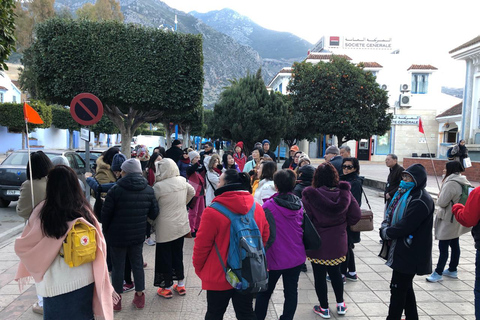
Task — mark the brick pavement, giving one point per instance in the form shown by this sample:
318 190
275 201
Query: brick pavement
366 299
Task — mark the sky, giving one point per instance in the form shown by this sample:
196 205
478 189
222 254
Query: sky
424 30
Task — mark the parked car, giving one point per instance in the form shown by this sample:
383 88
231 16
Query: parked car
94 155
13 171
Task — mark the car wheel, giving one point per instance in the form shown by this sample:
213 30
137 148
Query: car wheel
4 203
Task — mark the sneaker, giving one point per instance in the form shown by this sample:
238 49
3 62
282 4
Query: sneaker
324 313
450 274
434 277
149 242
348 276
118 306
180 290
144 264
167 294
341 310
128 287
36 308
343 278
139 301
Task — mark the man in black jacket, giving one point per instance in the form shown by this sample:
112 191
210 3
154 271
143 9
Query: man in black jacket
332 155
124 216
266 150
175 152
394 177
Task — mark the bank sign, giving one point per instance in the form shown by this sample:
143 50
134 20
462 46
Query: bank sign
408 120
369 43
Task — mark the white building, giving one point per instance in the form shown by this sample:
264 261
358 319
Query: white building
469 128
8 91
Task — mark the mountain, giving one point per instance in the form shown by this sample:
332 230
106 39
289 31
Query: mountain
268 43
456 92
224 57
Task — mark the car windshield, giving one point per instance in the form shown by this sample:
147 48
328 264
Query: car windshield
16 159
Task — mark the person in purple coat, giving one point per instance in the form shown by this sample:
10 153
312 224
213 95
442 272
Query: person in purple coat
331 208
285 249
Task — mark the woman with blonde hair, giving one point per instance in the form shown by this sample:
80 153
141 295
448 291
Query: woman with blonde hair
212 177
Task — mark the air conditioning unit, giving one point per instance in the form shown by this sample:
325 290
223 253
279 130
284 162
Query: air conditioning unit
405 100
404 87
384 87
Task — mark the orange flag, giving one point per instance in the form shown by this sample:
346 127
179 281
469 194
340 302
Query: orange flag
31 115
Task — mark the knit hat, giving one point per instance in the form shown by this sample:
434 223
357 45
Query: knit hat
333 150
265 141
131 166
306 173
193 154
294 148
239 144
258 144
176 142
304 158
117 161
60 160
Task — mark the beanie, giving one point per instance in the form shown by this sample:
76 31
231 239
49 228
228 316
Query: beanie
333 150
294 148
176 142
131 166
60 160
239 144
306 173
117 161
193 154
265 141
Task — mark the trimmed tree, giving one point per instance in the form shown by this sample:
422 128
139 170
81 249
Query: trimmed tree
248 112
140 74
12 117
7 36
339 98
295 129
106 126
62 119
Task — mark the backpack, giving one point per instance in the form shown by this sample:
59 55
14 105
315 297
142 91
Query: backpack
246 268
449 154
465 192
80 245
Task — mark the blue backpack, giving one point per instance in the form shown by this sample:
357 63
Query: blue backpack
246 268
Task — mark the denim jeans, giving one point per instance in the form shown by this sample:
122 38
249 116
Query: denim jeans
443 257
290 293
119 255
75 305
476 291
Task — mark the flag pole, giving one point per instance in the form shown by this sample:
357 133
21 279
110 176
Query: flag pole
30 165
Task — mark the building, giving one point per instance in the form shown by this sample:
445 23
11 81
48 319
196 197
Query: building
469 128
413 89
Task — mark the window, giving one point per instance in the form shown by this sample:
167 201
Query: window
420 83
383 144
14 99
1 97
450 136
280 87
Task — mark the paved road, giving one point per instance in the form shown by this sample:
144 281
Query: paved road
366 299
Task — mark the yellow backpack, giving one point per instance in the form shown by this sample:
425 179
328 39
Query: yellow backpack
80 245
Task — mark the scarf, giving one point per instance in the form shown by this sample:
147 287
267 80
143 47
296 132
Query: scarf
218 171
398 205
187 161
37 252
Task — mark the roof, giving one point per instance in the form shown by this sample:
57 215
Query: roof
16 83
285 70
370 65
453 111
319 56
467 44
421 67
3 88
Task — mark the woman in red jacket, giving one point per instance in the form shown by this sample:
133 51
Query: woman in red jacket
234 193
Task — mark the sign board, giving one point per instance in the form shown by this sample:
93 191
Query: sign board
86 109
403 119
367 43
85 134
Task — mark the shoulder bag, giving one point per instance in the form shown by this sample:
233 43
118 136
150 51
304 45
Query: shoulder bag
366 220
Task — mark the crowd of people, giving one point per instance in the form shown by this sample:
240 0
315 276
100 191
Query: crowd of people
174 195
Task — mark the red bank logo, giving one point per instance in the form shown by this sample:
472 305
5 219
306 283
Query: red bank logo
334 41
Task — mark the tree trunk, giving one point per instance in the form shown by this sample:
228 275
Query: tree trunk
70 139
24 139
168 133
126 133
97 136
186 138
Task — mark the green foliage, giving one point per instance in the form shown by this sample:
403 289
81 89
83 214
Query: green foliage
11 116
210 128
295 130
105 125
100 11
148 132
247 112
62 119
339 98
7 34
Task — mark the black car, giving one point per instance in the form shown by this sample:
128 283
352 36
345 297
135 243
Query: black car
13 172
94 155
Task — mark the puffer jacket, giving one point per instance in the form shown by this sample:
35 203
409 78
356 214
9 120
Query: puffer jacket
331 211
417 221
125 211
173 193
103 173
446 226
265 189
469 214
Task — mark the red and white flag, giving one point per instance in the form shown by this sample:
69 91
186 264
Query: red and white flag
420 126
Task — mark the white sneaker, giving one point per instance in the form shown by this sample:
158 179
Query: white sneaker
149 242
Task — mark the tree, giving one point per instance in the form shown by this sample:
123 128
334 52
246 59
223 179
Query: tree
62 119
140 74
105 125
248 112
187 122
12 117
339 98
100 11
7 35
295 129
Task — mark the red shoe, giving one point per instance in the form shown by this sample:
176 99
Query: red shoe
139 301
144 264
180 290
167 294
118 306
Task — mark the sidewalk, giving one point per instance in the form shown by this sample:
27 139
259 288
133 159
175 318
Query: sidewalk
367 298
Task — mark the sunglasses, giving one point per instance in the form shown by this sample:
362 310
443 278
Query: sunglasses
347 167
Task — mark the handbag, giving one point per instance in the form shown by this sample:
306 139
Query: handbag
467 163
366 220
311 238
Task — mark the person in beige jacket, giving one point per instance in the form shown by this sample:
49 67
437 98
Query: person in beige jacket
173 193
447 228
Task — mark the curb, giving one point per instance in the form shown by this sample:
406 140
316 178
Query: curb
8 235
